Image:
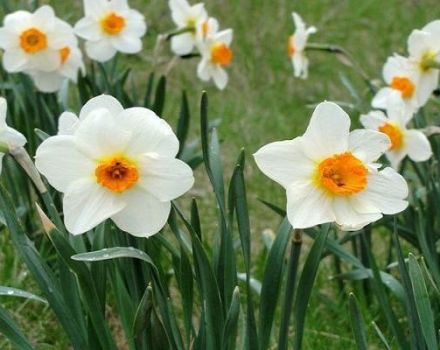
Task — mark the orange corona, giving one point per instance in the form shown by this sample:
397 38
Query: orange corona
64 54
394 133
33 40
342 175
404 85
112 23
221 54
290 46
117 174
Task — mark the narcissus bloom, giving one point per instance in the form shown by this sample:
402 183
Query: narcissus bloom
404 142
9 137
296 46
216 54
331 175
186 17
204 30
424 50
403 86
110 26
114 163
71 60
32 41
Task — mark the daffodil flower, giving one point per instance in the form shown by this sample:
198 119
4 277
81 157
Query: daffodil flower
331 175
115 163
296 46
110 26
216 54
404 142
424 52
32 41
10 138
403 86
186 17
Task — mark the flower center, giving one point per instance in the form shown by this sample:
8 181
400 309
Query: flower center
290 46
427 59
221 54
342 175
117 173
404 85
64 54
394 133
33 40
112 23
205 28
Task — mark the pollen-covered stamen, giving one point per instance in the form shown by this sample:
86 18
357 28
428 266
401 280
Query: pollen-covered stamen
428 58
64 54
112 23
221 54
404 85
342 175
291 46
394 133
117 173
33 40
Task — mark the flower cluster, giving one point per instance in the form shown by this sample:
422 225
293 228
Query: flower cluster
196 31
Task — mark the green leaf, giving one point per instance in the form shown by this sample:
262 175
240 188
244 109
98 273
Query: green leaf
305 285
159 98
424 309
230 330
14 292
143 312
357 323
114 253
10 330
272 280
183 123
381 336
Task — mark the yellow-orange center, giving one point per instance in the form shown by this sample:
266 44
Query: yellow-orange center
112 23
205 28
290 46
427 59
33 40
64 54
394 133
342 174
117 173
404 85
221 54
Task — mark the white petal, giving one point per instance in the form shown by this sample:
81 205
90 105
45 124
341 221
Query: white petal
368 145
348 218
386 192
95 8
17 21
182 44
48 81
285 162
8 39
86 204
3 110
15 60
100 50
127 44
384 96
396 156
136 26
327 132
88 29
144 215
373 120
418 43
220 77
427 84
418 146
111 104
12 138
61 163
224 36
67 123
204 70
307 205
46 60
149 133
165 178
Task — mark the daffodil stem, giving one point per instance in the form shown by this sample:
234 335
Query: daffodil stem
431 130
179 31
350 61
295 252
22 157
4 148
432 64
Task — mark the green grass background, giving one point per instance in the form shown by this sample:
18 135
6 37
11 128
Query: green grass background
262 103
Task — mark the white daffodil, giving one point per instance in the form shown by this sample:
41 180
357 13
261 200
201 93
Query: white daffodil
115 163
32 41
404 142
110 26
9 137
186 17
204 30
424 52
296 46
403 89
71 60
330 174
216 53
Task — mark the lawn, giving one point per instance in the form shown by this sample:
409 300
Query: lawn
262 103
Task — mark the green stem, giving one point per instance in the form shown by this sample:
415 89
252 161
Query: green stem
179 31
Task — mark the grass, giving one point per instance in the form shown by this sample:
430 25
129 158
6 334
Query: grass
262 103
